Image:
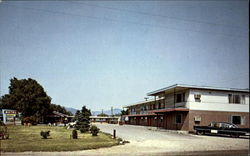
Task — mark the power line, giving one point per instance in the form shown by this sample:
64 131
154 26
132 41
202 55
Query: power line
154 15
115 20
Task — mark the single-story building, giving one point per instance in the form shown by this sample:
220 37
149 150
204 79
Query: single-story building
105 119
57 117
180 107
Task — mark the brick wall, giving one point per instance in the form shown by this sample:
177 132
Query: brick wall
215 116
168 120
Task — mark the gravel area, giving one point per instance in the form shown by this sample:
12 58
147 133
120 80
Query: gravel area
150 141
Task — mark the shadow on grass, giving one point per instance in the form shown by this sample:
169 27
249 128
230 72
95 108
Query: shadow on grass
46 138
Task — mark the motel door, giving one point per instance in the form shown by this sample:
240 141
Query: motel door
137 120
165 122
149 122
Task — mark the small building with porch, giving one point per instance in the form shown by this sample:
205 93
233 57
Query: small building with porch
58 118
105 119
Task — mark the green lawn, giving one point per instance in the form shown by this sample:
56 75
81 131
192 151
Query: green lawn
28 139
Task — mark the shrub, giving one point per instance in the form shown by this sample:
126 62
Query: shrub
84 129
32 120
45 134
1 123
94 130
74 134
83 126
3 131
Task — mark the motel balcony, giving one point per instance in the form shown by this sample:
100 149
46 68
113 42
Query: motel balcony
166 107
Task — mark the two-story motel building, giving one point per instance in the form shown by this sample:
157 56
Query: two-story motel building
180 107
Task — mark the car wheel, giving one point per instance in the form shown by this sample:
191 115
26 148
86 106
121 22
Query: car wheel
199 132
235 135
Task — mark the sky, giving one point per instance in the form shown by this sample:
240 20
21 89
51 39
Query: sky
105 54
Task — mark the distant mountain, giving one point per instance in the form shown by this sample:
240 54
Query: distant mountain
115 111
72 110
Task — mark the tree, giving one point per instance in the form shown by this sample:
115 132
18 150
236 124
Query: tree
124 112
103 114
83 120
28 97
77 115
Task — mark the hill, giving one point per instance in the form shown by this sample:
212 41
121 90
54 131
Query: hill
115 111
72 110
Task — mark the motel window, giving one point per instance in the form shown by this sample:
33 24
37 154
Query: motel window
141 108
237 120
180 97
236 99
178 118
154 106
242 99
197 97
159 105
230 98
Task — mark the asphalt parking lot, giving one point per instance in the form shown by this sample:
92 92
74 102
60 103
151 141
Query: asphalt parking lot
158 141
142 133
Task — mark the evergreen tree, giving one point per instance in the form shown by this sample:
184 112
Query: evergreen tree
77 114
124 112
83 120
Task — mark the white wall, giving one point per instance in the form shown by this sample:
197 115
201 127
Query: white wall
216 101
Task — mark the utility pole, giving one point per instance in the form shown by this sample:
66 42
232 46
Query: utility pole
112 111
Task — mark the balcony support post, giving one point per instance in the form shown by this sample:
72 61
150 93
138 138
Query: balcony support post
174 97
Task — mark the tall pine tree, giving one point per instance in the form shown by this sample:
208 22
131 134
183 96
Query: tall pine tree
83 120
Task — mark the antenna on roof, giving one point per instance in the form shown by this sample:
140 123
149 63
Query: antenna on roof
146 98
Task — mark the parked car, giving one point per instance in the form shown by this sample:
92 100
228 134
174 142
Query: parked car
71 124
222 128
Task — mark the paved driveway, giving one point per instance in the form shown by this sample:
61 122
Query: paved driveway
142 133
145 140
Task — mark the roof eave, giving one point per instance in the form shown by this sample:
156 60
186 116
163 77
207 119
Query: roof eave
161 90
154 93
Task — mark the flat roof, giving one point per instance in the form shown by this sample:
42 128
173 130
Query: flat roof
185 86
104 117
143 102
